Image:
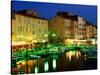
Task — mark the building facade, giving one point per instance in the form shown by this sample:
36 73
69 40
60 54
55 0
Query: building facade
91 31
69 28
28 27
61 25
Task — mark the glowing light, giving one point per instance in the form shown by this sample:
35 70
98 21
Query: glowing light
46 66
71 54
43 41
75 41
20 36
20 62
85 57
46 35
53 34
78 54
35 35
34 41
54 64
24 62
93 41
19 43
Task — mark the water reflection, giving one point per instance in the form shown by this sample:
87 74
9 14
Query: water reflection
46 66
51 63
36 69
54 64
85 57
73 54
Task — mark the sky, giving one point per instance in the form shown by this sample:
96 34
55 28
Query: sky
49 10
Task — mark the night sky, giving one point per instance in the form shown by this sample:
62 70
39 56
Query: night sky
48 10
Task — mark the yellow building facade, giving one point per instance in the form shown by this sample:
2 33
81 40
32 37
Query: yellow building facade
28 28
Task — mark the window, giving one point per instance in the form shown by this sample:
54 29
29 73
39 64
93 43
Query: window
39 30
23 29
55 20
25 19
42 22
28 21
33 32
67 25
39 21
80 26
19 19
45 30
45 22
20 29
33 25
26 28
